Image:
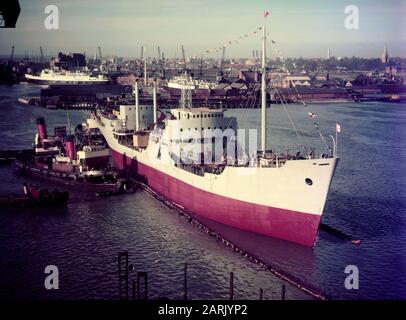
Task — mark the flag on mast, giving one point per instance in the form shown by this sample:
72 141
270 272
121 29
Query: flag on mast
266 13
338 127
312 115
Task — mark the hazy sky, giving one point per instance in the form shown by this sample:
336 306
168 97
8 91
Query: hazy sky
302 28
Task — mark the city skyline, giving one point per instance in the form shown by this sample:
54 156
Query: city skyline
300 29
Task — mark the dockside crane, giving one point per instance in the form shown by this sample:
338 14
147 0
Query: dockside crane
144 58
163 65
201 67
12 54
100 53
220 73
184 60
42 54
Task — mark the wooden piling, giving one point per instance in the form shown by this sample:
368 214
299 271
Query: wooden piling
283 292
123 275
134 286
139 276
231 286
185 282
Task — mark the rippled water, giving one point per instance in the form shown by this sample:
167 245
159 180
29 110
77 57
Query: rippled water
367 201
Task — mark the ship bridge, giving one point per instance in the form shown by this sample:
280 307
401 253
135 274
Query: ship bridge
199 119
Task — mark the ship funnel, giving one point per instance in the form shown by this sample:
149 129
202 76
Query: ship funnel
70 148
42 130
154 103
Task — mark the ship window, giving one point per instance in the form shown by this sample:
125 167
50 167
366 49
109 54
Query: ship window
309 181
194 116
208 128
197 116
181 129
221 128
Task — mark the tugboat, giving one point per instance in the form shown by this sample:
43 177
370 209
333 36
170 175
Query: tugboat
55 157
35 196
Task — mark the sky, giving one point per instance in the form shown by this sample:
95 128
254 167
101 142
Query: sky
306 28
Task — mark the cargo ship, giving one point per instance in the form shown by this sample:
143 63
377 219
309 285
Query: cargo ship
63 77
273 194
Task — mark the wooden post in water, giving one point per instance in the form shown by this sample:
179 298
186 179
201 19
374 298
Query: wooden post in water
133 290
185 283
260 294
123 275
231 285
139 276
283 292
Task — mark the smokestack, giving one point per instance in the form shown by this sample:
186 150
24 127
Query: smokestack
42 130
154 102
70 147
137 106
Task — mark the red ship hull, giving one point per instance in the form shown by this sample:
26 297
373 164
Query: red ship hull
279 223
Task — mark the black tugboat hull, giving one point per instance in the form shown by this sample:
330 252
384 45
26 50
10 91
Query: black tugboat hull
69 179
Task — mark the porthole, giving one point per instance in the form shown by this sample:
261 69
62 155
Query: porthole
309 181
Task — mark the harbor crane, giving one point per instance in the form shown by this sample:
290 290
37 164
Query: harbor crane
42 54
220 73
12 54
100 53
163 65
201 67
184 60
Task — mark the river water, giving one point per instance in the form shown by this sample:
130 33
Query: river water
367 201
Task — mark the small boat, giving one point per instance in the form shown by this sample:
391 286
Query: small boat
123 186
35 196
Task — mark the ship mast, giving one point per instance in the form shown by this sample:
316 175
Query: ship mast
263 90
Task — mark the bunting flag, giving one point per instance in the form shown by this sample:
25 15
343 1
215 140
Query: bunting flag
234 41
312 115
